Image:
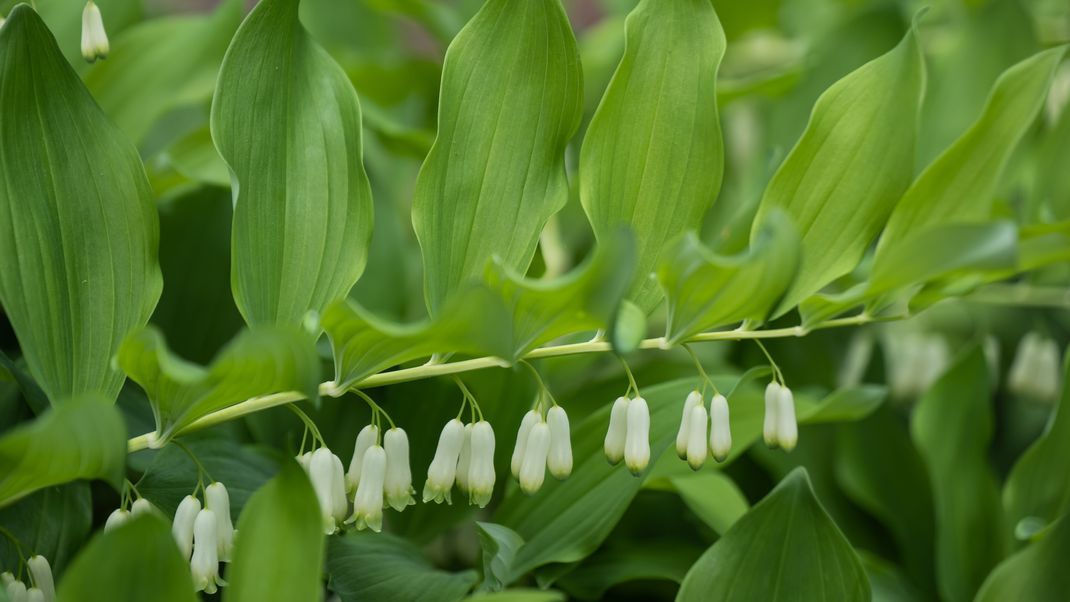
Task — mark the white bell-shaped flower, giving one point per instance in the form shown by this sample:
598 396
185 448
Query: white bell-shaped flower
340 506
559 460
616 434
205 562
769 426
182 527
7 578
787 432
637 441
325 472
481 464
443 469
529 420
305 460
397 485
1020 374
94 38
533 470
118 517
697 448
42 576
368 502
142 506
1046 381
16 590
720 428
36 595
217 500
693 400
464 459
367 437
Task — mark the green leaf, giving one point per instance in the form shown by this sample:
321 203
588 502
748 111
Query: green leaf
78 227
519 595
585 299
260 361
195 157
287 122
500 545
653 157
1039 484
132 86
785 548
53 522
960 184
713 497
510 102
82 438
706 291
380 566
278 552
952 428
853 162
136 561
667 561
1037 573
628 328
475 322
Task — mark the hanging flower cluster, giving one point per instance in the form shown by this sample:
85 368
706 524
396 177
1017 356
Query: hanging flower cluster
42 589
1036 368
542 442
915 360
779 428
691 441
628 437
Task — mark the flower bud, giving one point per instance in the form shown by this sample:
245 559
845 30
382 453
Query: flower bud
533 470
205 562
367 437
530 419
397 484
559 460
16 591
368 503
637 441
481 467
182 527
142 506
720 428
443 469
36 595
94 38
464 459
325 472
42 577
769 426
6 578
217 500
697 447
118 517
616 434
1046 385
787 430
694 399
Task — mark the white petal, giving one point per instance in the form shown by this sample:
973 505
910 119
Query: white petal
321 473
36 595
443 469
368 503
697 448
367 437
464 459
117 518
339 501
398 481
42 576
533 470
559 460
694 398
94 38
182 527
720 428
637 442
16 591
787 430
205 563
217 500
481 474
530 419
769 426
142 506
616 434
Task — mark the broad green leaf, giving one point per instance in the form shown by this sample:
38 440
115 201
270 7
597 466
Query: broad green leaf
960 185
887 583
134 562
1039 484
952 428
585 299
133 86
260 361
278 552
287 122
510 102
78 228
1037 573
82 438
475 322
1054 182
785 548
195 157
380 566
713 497
53 522
854 161
652 157
500 545
706 291
667 561
518 595
628 328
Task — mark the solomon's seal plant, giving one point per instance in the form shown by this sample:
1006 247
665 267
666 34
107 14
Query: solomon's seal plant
534 300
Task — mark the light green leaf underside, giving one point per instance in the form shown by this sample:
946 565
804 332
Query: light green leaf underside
287 122
519 595
960 185
499 546
278 551
380 566
161 64
851 165
195 157
510 101
706 291
78 228
260 361
713 497
952 428
151 569
653 157
785 548
1037 573
82 438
